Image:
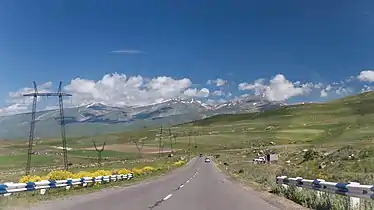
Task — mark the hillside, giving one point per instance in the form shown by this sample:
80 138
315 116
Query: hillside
97 118
347 119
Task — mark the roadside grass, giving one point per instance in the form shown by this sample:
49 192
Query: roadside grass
333 131
340 135
26 199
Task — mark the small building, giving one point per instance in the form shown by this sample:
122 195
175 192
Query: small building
271 157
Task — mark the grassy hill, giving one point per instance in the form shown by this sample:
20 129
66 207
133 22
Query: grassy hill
332 141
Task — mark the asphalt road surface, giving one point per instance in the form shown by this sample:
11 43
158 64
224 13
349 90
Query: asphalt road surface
197 186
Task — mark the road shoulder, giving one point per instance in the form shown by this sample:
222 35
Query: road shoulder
279 202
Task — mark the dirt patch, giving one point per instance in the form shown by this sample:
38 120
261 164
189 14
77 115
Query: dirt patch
130 148
308 131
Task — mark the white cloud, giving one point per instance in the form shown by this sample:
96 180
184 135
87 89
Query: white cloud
218 82
128 51
278 88
193 92
318 85
337 88
367 76
343 91
215 102
17 103
218 93
14 109
113 89
366 88
323 93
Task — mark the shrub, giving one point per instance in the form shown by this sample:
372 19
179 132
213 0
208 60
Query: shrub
310 155
58 175
124 171
30 178
101 173
148 169
82 174
178 163
137 171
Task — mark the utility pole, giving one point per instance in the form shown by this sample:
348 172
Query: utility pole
139 143
99 151
160 142
195 145
189 139
171 141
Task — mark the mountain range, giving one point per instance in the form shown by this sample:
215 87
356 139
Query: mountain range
98 118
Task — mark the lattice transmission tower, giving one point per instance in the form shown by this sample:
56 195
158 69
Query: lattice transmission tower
35 96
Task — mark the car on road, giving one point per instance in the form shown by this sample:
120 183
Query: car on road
207 160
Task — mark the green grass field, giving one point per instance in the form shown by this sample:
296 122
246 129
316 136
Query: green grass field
331 132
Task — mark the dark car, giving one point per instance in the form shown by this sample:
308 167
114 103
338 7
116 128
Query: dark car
201 155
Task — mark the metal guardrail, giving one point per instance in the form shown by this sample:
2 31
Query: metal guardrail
352 189
7 189
355 191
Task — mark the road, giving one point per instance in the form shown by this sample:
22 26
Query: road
197 186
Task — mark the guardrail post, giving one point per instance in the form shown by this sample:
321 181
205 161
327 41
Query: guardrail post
354 203
298 188
3 188
320 193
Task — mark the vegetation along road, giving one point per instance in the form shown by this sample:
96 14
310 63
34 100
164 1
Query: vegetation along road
197 186
331 141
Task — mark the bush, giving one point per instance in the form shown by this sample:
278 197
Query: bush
101 173
82 174
148 169
63 175
30 178
124 171
58 175
137 171
178 163
310 155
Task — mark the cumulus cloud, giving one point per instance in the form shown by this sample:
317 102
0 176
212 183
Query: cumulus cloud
194 92
218 82
336 88
14 109
119 89
323 93
366 88
218 93
112 89
343 91
278 88
367 76
123 90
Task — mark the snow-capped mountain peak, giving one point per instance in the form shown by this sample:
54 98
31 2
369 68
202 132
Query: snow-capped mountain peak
99 117
95 104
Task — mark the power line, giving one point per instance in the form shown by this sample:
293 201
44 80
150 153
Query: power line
35 95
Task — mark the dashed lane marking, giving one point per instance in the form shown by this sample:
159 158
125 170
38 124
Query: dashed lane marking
170 195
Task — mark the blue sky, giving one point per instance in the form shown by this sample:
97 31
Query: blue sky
238 41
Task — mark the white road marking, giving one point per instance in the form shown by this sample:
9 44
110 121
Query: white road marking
167 197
